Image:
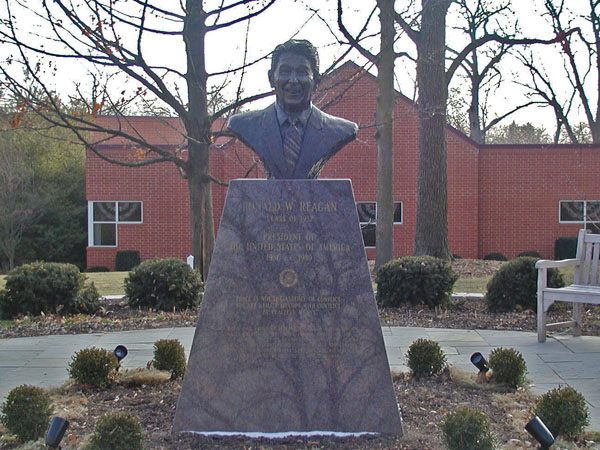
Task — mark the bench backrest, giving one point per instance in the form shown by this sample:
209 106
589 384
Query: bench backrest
588 253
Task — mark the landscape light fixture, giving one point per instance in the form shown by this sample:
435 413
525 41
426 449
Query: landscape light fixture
120 352
479 361
57 429
536 428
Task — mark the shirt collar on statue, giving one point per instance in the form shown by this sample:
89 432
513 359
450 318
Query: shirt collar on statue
302 118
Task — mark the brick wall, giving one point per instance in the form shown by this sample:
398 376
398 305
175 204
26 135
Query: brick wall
520 190
500 198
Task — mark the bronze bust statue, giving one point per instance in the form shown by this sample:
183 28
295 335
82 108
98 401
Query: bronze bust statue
293 138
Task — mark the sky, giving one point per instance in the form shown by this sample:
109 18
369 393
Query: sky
294 18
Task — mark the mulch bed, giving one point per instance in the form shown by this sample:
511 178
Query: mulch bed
467 313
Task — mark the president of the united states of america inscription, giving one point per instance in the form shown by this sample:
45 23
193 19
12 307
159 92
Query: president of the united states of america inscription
288 337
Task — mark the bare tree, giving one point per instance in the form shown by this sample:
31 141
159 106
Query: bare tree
580 67
114 39
384 121
428 35
482 65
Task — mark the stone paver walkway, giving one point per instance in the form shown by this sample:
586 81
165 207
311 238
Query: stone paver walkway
561 360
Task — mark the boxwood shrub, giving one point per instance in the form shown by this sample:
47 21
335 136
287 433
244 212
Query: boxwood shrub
467 429
515 283
117 431
415 280
26 412
563 410
49 288
163 284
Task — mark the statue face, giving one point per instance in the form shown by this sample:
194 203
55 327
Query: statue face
293 82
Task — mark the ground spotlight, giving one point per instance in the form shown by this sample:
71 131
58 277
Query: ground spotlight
479 361
120 352
57 429
536 428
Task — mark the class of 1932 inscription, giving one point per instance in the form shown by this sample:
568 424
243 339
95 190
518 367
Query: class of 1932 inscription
288 337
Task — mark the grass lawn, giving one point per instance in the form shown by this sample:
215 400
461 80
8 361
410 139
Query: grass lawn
111 283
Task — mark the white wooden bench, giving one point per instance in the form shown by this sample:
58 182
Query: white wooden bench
585 287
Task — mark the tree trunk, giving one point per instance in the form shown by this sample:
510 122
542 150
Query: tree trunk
197 125
431 237
474 121
384 119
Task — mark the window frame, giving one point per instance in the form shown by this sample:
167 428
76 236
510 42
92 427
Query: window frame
585 214
375 221
115 222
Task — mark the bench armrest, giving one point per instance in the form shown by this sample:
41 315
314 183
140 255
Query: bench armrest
547 263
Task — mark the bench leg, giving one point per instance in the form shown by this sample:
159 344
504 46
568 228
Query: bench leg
576 329
541 318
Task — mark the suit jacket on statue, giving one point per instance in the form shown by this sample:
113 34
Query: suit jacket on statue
324 136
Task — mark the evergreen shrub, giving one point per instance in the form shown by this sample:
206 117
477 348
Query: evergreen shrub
563 411
49 288
125 260
531 253
116 432
467 429
515 283
26 412
169 355
508 367
565 248
425 358
93 367
495 257
163 284
415 280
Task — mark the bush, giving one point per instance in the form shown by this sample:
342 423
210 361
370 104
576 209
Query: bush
508 367
49 288
563 410
93 366
516 284
125 260
531 253
495 257
467 429
26 412
425 358
163 284
97 269
565 248
169 355
117 431
415 279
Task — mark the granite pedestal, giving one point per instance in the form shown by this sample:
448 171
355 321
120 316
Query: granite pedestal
288 338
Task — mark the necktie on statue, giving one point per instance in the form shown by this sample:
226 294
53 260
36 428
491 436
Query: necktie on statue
291 145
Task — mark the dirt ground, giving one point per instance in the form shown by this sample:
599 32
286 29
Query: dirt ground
423 403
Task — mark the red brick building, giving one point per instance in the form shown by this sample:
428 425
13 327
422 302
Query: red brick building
501 198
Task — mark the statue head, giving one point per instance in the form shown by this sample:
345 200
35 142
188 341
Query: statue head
294 74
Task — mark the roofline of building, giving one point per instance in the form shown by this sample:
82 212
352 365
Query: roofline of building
402 96
536 146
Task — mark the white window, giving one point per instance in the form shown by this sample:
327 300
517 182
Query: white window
579 211
367 216
104 217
